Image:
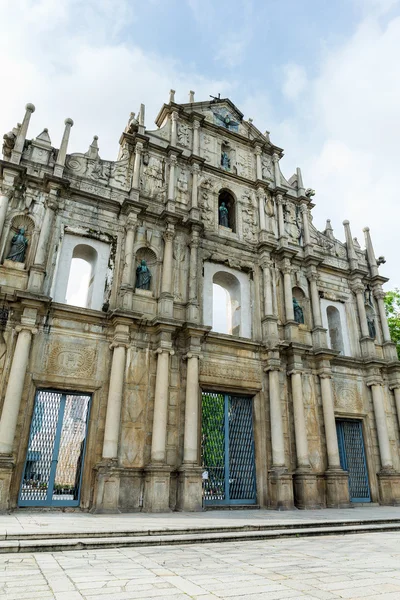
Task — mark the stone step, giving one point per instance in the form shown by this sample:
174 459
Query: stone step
125 533
168 538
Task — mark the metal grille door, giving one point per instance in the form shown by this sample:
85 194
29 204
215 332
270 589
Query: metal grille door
56 449
228 449
352 459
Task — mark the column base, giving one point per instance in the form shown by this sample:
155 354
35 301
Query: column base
36 279
192 314
281 486
166 305
337 488
319 337
126 297
270 330
367 347
6 471
106 491
389 488
389 350
306 493
156 489
190 488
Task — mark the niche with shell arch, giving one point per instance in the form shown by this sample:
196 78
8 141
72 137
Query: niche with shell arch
150 257
304 302
27 223
227 197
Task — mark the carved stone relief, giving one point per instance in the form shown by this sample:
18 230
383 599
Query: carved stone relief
206 202
292 223
72 360
266 168
347 396
245 167
152 181
249 216
183 135
183 187
241 373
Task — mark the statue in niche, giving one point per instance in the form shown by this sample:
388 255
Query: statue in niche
183 186
225 161
266 169
143 276
19 244
223 215
298 312
371 326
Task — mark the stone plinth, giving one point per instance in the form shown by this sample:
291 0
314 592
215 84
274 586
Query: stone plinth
389 488
156 489
306 492
281 487
106 492
337 488
6 471
190 489
13 275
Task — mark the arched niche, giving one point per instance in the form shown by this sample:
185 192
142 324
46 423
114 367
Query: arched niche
231 289
151 262
304 303
338 339
228 199
82 270
18 222
335 329
372 322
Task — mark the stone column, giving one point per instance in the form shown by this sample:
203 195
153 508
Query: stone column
359 290
136 167
337 490
190 448
258 163
261 209
20 141
281 221
196 137
38 270
306 225
62 153
128 283
280 480
166 300
4 198
381 425
114 401
300 429
351 253
318 333
16 380
379 294
396 391
193 308
171 182
195 183
287 287
174 127
268 301
277 173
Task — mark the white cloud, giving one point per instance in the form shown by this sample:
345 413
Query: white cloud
295 81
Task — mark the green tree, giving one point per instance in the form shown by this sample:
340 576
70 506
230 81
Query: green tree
392 306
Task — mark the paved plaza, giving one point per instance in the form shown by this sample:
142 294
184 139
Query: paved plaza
351 566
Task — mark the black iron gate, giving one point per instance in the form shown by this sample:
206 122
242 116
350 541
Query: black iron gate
228 449
56 450
352 459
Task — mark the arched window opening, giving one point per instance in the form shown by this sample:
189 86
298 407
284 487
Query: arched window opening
335 329
226 304
226 210
81 276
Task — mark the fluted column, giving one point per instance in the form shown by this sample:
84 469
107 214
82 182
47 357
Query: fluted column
287 287
277 173
332 447
359 290
268 300
261 209
191 442
277 438
281 221
315 303
128 273
258 163
171 182
20 141
306 225
16 380
195 183
37 272
166 280
159 435
62 153
174 127
381 425
136 167
300 429
196 137
4 199
379 294
114 401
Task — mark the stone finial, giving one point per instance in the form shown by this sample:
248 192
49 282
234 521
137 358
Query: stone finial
21 136
351 253
141 118
172 96
329 230
62 153
93 151
370 252
300 185
44 138
191 96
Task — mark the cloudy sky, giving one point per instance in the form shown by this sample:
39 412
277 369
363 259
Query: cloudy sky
322 76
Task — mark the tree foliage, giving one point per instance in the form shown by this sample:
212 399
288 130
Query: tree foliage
392 306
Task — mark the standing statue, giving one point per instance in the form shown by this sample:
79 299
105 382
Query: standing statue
371 326
225 161
223 215
143 276
18 247
298 312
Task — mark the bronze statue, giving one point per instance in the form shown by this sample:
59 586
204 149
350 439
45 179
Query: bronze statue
298 312
143 276
371 326
223 215
18 247
225 161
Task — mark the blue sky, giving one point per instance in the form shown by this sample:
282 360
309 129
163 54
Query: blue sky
322 76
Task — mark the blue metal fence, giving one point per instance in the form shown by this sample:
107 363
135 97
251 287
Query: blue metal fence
352 458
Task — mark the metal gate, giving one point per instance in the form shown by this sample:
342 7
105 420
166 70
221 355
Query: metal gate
228 449
56 450
352 459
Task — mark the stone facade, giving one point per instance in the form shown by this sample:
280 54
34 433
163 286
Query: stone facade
145 355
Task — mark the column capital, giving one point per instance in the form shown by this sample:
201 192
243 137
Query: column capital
258 150
172 160
304 207
193 355
32 330
195 168
393 385
160 350
131 221
169 234
313 275
139 147
275 157
279 199
295 372
325 373
374 381
175 115
379 293
119 343
286 267
357 287
196 124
